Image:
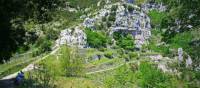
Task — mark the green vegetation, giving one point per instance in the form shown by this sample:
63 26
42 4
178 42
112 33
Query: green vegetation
96 39
109 54
38 79
124 40
146 76
17 63
72 64
152 77
68 64
139 2
114 8
112 17
130 8
34 26
156 17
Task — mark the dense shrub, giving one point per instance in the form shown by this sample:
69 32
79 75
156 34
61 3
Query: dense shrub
108 24
130 8
156 17
72 63
96 39
123 78
104 19
133 55
114 8
109 55
124 40
52 34
112 17
40 78
151 77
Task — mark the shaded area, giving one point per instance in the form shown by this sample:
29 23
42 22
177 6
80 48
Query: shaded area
7 83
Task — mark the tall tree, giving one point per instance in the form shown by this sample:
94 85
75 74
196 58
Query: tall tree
13 14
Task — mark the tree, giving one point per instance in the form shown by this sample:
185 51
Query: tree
13 14
71 62
96 39
124 40
181 23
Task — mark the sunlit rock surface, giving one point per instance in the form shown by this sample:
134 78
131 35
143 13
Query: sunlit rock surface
72 37
89 23
188 62
180 55
146 7
135 22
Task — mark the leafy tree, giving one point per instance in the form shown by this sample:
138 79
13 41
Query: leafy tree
180 15
182 20
72 63
96 39
156 17
124 40
13 15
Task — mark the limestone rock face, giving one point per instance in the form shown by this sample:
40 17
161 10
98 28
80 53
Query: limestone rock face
89 23
153 6
72 37
135 22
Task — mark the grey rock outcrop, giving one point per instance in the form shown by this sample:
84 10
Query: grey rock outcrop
89 23
153 6
135 22
72 37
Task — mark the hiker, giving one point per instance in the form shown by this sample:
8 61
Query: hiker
19 78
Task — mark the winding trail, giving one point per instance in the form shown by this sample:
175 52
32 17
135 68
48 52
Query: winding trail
104 70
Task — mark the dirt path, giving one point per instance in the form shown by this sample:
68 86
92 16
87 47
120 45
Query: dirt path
100 71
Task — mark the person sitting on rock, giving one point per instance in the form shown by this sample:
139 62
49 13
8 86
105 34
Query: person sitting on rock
19 78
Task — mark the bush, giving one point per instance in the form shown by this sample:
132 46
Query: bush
123 78
151 77
125 41
108 24
130 8
45 46
133 55
114 8
112 18
109 55
52 34
71 62
104 19
96 39
100 27
40 78
156 17
102 49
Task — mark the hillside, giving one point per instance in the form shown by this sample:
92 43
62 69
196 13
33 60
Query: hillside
100 43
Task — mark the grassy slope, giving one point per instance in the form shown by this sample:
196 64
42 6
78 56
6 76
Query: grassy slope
16 64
